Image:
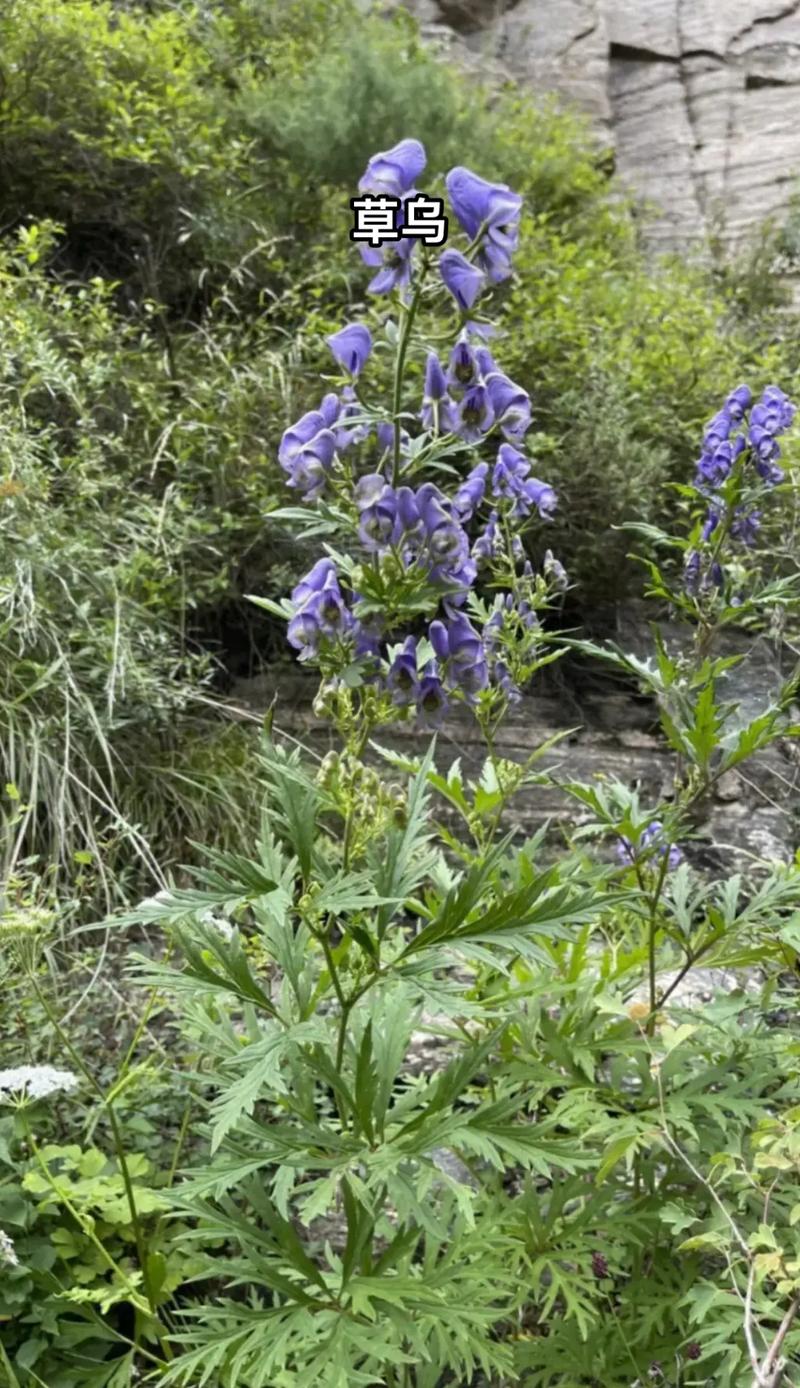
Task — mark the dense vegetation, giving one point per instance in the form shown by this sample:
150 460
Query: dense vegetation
248 1178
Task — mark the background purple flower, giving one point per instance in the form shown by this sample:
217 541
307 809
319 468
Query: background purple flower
394 171
351 347
464 280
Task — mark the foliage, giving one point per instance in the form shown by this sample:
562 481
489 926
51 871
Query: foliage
456 1115
94 573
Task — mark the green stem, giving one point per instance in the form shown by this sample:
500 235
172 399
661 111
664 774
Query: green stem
13 1381
84 1225
651 938
404 335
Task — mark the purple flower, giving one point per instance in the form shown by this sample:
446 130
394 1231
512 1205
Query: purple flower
717 430
377 521
745 526
351 347
471 492
320 609
511 404
490 209
691 573
527 616
446 540
489 543
715 464
509 471
431 698
769 472
510 479
738 401
464 281
540 495
774 412
502 678
709 525
651 838
303 632
346 409
402 678
474 415
437 407
306 453
554 571
393 261
394 171
462 370
466 666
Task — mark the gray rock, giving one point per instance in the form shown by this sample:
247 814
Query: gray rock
700 98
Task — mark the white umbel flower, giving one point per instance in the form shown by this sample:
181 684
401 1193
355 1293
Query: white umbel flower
34 1081
7 1251
219 923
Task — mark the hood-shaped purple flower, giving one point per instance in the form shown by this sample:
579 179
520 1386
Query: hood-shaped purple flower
509 471
510 478
476 202
774 399
555 572
492 208
462 368
715 464
437 635
464 280
437 412
431 698
351 347
306 453
471 492
717 430
738 401
402 680
394 171
393 261
511 405
378 522
474 415
539 495
745 526
298 436
320 609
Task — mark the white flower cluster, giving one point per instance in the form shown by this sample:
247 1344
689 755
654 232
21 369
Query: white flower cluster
35 1081
7 1251
219 923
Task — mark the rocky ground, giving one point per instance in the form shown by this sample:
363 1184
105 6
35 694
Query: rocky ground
614 733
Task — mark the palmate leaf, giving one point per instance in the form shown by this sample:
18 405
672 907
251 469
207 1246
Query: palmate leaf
405 858
542 907
232 883
262 1063
346 892
294 802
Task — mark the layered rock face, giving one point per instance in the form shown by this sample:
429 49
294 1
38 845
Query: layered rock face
700 98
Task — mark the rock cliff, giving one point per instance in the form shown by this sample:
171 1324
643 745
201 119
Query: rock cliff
699 98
